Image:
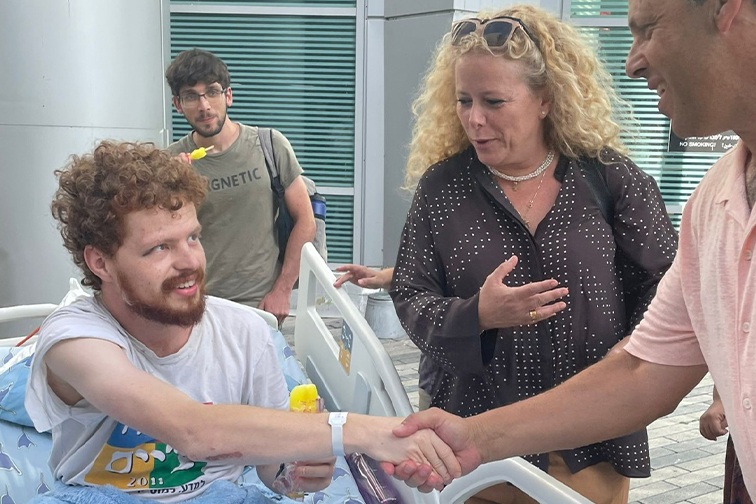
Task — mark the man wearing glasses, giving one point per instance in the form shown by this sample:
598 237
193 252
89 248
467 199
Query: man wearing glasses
238 218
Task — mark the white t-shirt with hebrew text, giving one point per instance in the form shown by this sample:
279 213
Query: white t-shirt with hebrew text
228 359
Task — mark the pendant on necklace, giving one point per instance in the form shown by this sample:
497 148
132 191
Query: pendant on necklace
514 186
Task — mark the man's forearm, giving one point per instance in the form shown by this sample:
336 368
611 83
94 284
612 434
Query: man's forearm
616 396
303 232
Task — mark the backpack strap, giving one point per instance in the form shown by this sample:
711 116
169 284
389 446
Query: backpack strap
284 223
594 173
266 144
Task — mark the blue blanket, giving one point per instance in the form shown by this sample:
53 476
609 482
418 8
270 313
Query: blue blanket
221 492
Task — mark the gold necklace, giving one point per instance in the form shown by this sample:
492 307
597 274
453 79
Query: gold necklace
516 179
524 215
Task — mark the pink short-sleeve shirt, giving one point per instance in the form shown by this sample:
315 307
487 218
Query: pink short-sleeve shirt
705 307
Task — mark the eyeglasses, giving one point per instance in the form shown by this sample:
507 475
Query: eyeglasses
193 99
496 31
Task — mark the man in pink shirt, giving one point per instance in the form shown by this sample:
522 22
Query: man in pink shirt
700 57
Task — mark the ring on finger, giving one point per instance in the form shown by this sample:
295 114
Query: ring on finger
533 314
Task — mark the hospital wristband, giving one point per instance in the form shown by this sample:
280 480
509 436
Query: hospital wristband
337 420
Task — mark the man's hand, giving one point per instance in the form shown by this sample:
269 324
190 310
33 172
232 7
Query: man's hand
183 156
422 448
453 430
502 306
278 303
713 422
311 476
364 276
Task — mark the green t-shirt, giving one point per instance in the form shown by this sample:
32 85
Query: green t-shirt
238 228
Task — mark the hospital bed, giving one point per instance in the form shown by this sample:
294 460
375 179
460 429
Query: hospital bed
355 374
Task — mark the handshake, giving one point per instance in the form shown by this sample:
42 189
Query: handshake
427 450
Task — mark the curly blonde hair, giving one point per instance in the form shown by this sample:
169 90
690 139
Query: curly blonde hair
97 190
581 120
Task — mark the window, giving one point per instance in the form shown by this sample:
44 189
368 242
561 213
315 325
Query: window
293 70
605 23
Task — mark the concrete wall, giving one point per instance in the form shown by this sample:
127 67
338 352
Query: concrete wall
71 73
411 38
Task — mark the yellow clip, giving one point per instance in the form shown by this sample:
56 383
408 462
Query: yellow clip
200 153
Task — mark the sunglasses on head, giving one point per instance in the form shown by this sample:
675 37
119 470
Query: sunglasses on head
495 31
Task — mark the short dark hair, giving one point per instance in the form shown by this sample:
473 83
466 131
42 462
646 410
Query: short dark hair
193 66
97 190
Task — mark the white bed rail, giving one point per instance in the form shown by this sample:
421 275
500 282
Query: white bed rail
522 474
11 313
364 380
21 312
357 375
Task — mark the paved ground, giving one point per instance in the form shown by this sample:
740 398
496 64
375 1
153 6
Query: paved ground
686 468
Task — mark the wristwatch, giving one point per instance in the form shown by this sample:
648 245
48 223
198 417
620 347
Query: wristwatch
336 420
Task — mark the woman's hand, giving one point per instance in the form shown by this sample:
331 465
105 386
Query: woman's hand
364 276
502 306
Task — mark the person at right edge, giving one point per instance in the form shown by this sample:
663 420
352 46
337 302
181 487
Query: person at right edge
512 276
